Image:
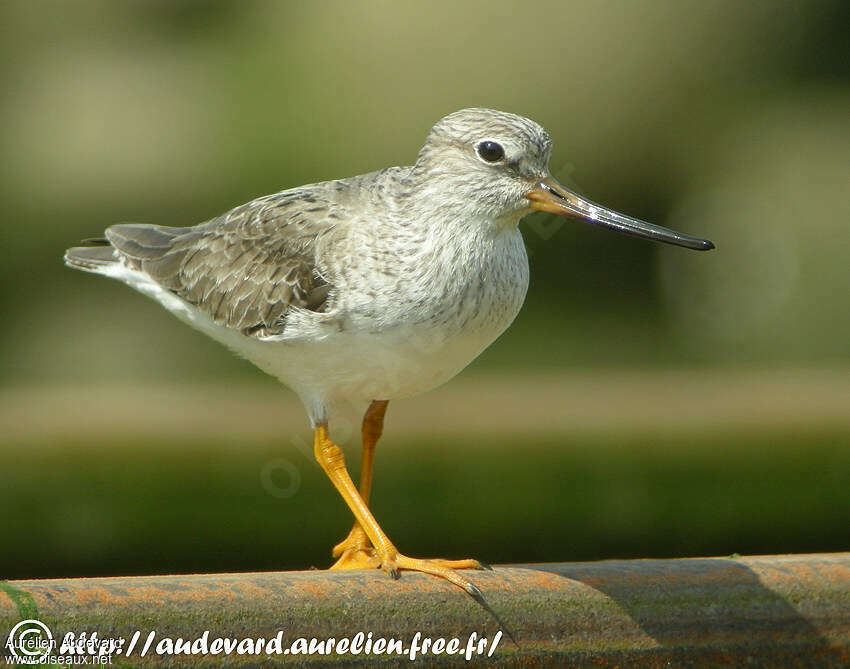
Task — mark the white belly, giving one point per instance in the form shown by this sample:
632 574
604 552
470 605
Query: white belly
359 367
357 359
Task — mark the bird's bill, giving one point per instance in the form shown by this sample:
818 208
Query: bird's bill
552 197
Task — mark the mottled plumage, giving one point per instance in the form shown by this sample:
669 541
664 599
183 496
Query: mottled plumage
245 270
366 289
373 287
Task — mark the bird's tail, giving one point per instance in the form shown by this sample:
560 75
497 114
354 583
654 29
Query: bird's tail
92 258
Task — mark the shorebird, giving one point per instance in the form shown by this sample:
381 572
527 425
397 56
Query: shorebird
363 290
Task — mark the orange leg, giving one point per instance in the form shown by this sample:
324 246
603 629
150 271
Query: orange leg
356 551
385 555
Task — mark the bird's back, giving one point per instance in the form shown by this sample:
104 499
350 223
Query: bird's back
245 270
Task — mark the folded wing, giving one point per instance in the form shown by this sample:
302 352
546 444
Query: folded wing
245 270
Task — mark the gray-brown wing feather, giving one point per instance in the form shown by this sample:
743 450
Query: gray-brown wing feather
245 269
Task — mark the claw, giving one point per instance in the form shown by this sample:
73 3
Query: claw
475 593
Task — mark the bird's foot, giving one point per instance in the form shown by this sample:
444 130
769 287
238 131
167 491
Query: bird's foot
353 558
391 561
355 552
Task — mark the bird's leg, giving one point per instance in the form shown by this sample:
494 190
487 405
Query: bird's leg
332 461
356 551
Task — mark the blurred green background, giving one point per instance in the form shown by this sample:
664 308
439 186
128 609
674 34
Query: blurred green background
647 402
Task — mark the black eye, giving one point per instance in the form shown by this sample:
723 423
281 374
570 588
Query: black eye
490 151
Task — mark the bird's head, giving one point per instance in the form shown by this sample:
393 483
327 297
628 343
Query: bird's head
494 165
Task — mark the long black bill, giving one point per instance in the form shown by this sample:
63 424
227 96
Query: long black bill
552 197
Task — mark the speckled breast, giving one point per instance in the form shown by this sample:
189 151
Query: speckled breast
437 337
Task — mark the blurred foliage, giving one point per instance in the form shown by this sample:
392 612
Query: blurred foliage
77 508
724 119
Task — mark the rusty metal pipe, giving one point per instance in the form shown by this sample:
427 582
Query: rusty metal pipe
788 610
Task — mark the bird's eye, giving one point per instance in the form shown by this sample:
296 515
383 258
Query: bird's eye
490 152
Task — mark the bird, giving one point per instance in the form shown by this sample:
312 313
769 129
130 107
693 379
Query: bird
360 291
